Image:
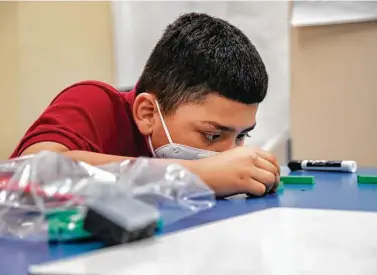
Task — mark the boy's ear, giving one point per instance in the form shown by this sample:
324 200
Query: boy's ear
143 111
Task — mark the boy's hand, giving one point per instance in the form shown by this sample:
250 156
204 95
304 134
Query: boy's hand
240 170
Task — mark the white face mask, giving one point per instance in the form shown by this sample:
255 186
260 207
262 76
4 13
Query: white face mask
177 151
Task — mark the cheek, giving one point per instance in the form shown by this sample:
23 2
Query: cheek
227 143
240 142
159 138
187 137
158 135
179 131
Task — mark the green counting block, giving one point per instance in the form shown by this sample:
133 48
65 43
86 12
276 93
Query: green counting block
67 225
280 187
297 179
371 179
160 225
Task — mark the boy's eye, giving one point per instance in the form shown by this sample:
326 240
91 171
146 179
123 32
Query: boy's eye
242 136
212 137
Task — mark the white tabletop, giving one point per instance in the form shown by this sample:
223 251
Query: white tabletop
280 241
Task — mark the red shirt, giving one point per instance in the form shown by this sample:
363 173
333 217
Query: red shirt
90 116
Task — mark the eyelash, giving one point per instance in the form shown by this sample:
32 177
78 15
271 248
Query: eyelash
243 136
207 136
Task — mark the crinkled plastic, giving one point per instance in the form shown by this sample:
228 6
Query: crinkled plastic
36 187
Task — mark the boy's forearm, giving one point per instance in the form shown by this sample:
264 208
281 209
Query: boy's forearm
94 158
100 159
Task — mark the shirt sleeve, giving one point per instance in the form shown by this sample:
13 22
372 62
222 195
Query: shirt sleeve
82 117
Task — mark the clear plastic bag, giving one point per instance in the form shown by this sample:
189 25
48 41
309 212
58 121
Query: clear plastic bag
174 191
32 189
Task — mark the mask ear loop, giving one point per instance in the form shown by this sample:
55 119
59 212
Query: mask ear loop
175 148
151 146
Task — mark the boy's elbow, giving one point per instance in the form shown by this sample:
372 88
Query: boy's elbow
44 146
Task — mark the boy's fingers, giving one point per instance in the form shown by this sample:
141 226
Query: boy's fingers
254 187
266 165
269 157
265 177
275 187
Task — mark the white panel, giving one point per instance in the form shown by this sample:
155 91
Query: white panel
279 241
314 13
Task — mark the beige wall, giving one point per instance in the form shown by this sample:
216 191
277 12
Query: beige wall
9 78
334 92
44 47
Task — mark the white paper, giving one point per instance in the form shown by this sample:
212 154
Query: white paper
138 26
312 13
279 241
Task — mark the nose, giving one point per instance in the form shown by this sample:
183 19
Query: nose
227 145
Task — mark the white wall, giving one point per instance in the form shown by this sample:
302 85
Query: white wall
138 26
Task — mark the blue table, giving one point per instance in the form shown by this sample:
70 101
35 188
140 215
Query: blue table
331 191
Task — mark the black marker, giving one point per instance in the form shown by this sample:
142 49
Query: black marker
324 165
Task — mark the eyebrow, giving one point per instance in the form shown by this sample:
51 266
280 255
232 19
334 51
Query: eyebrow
225 128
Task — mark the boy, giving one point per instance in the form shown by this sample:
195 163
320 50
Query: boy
200 88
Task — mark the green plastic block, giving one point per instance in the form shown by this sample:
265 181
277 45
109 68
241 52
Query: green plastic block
297 179
66 225
160 225
370 179
280 187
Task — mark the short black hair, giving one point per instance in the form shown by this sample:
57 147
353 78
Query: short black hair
198 55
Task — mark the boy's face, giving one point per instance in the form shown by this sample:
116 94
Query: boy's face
217 124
